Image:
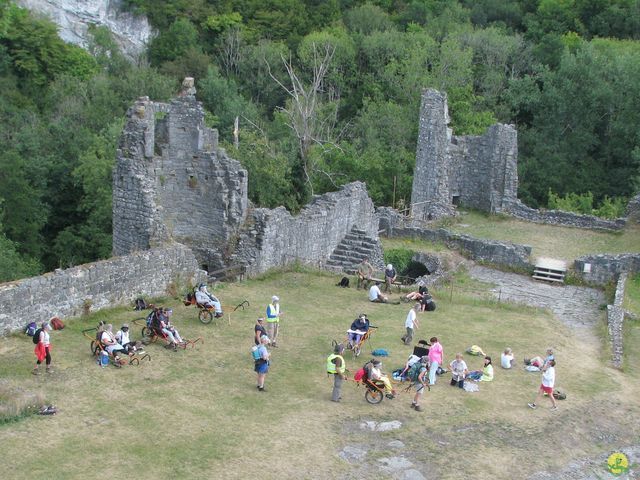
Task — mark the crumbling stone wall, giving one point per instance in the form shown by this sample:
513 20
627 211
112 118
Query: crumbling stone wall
615 322
479 172
102 284
633 209
274 238
172 182
605 268
476 171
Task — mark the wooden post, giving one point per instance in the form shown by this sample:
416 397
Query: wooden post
451 292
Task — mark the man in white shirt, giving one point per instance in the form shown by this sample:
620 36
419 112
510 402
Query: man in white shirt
122 337
410 324
548 382
375 295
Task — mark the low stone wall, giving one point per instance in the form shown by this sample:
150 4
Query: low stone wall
490 251
633 209
605 268
274 238
106 283
615 322
558 217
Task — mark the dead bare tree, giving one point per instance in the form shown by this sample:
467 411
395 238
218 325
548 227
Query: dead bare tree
311 123
229 52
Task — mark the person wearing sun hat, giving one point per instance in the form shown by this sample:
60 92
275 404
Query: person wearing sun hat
273 319
122 337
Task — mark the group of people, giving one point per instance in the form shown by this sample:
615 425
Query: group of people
263 337
116 343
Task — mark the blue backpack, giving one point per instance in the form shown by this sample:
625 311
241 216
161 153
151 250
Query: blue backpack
256 353
31 329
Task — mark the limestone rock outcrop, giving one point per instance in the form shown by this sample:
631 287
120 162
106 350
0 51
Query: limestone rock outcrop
73 17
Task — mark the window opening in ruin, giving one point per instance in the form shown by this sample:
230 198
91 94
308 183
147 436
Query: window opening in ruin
192 181
455 200
205 267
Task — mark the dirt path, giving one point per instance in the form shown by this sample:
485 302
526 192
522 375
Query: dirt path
576 307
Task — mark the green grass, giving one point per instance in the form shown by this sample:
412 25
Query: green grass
197 413
547 240
632 294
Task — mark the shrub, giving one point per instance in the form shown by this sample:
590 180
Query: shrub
400 258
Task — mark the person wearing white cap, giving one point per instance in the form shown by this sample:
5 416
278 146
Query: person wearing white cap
390 276
273 319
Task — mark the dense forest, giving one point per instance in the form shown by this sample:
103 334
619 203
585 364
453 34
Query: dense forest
326 92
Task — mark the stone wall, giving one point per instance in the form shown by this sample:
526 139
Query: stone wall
558 217
172 182
633 209
605 268
489 251
74 17
615 322
106 283
474 171
274 238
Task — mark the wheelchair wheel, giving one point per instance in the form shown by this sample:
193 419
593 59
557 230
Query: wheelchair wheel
95 348
147 335
205 316
373 396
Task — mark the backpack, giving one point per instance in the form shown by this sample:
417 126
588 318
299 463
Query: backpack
559 395
414 371
31 329
360 375
344 283
255 353
36 336
140 304
430 306
56 323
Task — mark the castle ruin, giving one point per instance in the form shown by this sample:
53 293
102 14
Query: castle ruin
476 171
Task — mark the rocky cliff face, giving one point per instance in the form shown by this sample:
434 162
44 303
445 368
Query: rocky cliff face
74 17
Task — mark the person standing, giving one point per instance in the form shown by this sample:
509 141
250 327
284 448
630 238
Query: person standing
435 359
390 276
548 382
410 324
273 319
420 384
337 367
43 348
259 330
261 366
365 270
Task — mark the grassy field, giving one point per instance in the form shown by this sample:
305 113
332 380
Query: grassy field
546 240
197 413
632 294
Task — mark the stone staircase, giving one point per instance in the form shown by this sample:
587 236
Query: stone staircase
353 248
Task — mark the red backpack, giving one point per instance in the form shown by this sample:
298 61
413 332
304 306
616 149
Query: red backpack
56 323
359 375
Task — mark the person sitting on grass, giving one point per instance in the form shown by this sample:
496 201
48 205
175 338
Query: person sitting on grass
208 300
122 337
110 343
375 295
506 358
376 376
486 375
417 295
358 328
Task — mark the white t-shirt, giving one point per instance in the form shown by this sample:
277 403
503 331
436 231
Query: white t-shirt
122 337
505 360
374 292
549 377
411 317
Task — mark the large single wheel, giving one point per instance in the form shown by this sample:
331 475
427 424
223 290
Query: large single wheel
147 335
95 349
205 316
373 396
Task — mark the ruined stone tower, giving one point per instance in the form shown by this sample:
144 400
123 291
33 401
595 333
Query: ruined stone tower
475 171
172 182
